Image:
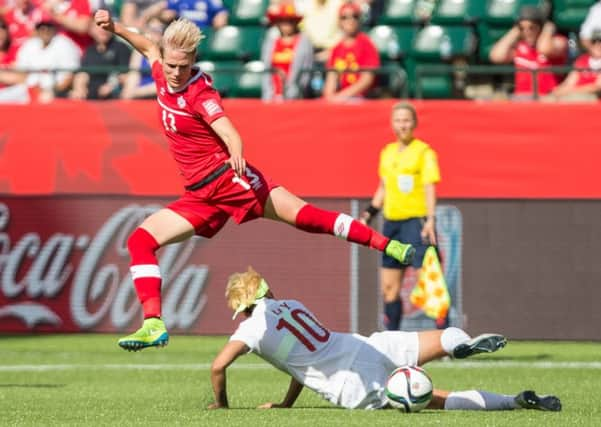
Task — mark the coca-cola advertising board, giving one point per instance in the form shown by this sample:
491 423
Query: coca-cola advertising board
64 267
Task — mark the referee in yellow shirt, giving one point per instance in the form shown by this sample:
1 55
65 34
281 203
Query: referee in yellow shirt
408 173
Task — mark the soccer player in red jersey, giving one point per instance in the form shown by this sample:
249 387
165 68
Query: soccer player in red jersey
218 182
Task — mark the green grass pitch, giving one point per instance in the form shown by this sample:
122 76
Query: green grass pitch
88 380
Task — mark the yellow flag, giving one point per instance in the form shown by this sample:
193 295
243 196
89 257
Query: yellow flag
431 293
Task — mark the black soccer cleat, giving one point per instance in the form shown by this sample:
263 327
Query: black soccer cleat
530 400
485 343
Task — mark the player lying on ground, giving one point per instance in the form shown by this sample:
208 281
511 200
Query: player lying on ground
348 370
219 183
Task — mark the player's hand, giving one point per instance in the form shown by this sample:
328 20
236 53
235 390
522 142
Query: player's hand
429 232
238 164
216 405
271 405
103 19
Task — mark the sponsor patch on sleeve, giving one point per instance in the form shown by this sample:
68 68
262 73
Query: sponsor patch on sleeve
212 107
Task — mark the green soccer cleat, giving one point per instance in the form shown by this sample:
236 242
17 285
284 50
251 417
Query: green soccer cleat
402 252
152 334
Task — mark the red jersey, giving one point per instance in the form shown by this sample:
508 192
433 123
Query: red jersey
527 57
586 77
21 26
186 116
361 53
281 59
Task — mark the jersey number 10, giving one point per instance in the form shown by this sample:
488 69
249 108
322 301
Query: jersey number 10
301 317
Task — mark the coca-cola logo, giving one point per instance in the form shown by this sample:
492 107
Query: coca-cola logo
35 271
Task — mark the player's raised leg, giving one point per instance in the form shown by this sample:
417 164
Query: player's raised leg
285 206
162 227
479 400
457 343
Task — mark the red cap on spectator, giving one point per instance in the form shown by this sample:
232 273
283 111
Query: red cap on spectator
351 7
283 11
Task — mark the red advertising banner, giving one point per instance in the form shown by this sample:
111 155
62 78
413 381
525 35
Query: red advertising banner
486 150
64 267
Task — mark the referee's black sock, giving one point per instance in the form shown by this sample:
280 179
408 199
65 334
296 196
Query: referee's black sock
393 312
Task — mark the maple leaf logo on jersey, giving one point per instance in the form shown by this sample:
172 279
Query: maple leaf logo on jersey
181 102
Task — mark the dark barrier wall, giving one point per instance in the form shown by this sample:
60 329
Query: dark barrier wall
530 269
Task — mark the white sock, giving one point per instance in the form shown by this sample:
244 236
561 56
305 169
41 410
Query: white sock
452 337
474 400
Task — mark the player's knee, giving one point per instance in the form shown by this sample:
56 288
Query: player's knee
141 241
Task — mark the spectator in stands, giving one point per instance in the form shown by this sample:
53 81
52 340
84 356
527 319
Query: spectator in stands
204 13
136 13
591 22
289 53
46 51
584 83
73 18
6 56
138 83
21 21
408 172
106 52
355 51
320 24
531 44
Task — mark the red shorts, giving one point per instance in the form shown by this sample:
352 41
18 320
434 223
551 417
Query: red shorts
209 207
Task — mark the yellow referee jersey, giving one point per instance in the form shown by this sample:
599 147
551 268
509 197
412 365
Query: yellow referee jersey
404 174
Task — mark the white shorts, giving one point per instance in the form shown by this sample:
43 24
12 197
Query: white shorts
382 353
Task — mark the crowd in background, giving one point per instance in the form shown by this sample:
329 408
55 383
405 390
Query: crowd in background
43 35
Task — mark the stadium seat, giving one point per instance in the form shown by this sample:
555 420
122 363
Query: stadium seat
222 73
435 43
247 12
204 45
488 36
434 86
568 15
399 12
230 43
247 82
505 12
393 43
458 11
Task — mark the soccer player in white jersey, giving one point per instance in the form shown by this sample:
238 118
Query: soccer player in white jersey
348 370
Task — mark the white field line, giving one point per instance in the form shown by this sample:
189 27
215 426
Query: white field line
261 366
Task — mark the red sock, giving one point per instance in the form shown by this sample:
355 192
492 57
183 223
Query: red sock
316 220
145 271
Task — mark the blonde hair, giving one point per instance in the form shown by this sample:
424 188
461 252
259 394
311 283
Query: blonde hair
242 288
408 107
182 34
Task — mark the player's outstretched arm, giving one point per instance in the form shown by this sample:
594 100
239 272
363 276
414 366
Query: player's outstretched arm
146 47
294 391
225 358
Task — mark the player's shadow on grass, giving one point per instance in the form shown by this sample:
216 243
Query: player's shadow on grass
32 385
